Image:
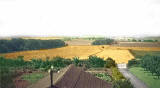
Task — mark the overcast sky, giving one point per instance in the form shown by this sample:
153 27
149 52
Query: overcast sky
79 17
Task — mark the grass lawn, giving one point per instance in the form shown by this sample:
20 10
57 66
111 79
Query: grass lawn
146 77
33 77
137 53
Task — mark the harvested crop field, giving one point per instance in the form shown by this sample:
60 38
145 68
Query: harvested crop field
119 54
79 42
138 44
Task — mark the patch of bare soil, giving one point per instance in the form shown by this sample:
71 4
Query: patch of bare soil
79 42
137 44
20 83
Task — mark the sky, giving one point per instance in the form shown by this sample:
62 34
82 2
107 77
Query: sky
79 17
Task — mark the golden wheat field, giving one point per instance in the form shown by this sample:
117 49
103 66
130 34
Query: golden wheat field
119 54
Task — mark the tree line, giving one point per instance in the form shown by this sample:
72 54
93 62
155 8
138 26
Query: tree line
151 63
106 41
148 63
17 44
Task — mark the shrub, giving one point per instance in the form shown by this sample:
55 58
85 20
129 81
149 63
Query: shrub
104 76
95 61
60 62
110 63
116 74
76 61
122 84
133 62
6 77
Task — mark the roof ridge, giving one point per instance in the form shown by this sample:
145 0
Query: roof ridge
61 75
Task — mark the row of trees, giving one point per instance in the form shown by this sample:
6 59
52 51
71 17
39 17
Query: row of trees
103 42
152 64
134 40
30 44
148 62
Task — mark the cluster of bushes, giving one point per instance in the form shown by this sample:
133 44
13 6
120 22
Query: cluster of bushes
119 80
104 76
7 71
28 44
103 42
57 62
152 64
122 84
6 76
94 62
116 74
110 63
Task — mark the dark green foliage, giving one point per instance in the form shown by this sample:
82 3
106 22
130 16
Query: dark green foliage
46 64
149 41
14 63
103 42
95 61
122 84
76 61
152 64
60 62
110 63
30 44
133 62
6 75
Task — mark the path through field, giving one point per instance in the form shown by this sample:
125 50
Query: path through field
119 55
134 80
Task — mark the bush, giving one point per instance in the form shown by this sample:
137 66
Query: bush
104 77
103 42
110 63
60 62
116 75
6 78
76 61
122 84
95 61
133 62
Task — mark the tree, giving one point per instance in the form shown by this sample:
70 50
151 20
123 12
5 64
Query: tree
110 63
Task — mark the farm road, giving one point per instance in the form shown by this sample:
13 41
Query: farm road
134 80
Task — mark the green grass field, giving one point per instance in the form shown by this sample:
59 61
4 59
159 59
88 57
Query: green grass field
146 77
137 53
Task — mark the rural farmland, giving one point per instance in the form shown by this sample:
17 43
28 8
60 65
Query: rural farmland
119 54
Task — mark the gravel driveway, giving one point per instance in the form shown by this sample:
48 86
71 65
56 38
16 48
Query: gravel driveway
134 80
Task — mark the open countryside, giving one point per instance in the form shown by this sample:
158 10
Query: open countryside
119 54
103 60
